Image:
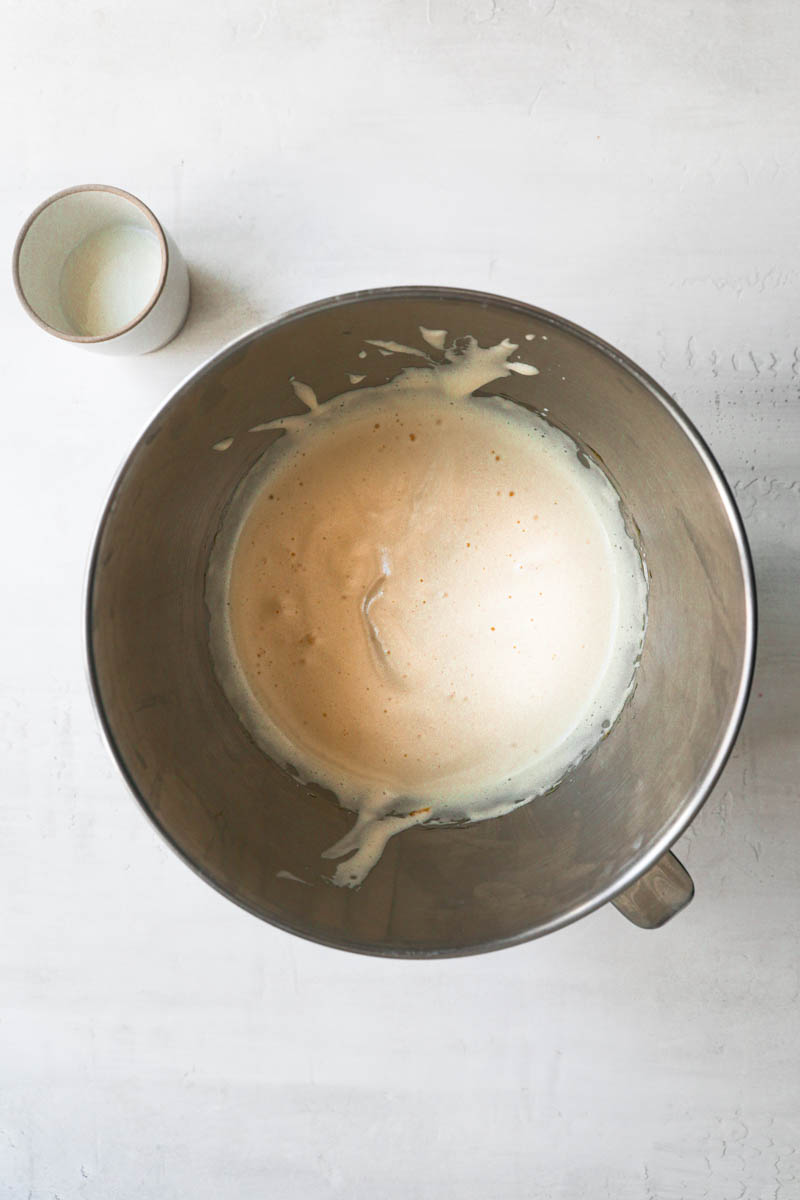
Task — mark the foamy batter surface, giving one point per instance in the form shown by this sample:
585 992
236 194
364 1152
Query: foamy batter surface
426 601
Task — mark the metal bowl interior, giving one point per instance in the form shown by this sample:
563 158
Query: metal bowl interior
251 829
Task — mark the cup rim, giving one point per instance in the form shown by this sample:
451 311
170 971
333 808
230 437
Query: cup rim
158 230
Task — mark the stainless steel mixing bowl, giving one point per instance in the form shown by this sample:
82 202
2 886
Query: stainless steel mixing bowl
251 829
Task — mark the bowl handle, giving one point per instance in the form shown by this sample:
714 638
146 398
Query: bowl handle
657 895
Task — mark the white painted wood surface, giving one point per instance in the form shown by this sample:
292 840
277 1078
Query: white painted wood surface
631 165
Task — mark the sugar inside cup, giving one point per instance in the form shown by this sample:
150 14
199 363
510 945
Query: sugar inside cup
93 265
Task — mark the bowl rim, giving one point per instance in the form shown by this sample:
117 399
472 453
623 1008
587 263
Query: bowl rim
704 786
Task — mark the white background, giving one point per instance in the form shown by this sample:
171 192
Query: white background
633 166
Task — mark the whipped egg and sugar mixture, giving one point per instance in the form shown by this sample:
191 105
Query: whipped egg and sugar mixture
425 600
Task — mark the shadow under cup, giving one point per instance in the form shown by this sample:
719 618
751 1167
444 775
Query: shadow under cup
255 832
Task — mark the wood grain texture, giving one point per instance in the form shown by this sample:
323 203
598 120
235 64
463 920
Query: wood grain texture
634 167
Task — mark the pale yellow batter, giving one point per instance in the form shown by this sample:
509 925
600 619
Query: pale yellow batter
426 601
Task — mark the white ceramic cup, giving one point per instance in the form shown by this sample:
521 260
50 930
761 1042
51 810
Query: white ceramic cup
94 266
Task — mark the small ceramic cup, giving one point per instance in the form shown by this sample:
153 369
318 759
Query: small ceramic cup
94 266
